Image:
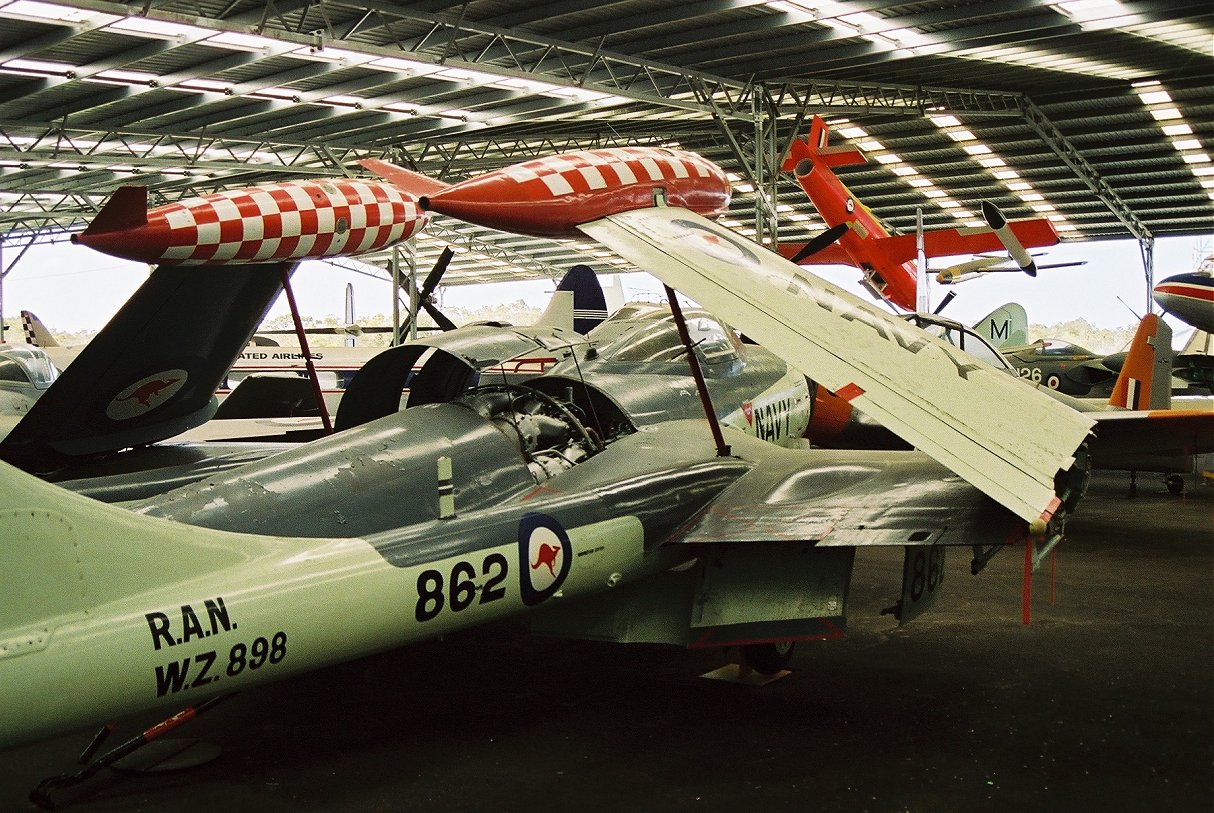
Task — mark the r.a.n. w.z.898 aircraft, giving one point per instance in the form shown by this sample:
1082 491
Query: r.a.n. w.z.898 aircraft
569 499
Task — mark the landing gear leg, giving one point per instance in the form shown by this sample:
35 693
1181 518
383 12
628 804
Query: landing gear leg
1133 483
1175 483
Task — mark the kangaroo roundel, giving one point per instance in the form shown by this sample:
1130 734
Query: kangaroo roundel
145 394
544 557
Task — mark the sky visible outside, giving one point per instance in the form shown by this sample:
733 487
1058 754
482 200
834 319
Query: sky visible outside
74 288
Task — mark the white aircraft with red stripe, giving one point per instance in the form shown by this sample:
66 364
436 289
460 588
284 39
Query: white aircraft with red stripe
1188 297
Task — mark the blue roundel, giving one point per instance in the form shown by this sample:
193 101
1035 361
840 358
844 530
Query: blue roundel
545 555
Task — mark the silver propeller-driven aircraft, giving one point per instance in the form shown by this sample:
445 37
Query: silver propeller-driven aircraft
571 502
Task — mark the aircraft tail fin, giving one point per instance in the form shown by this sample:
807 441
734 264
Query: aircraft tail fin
815 150
36 333
405 179
582 311
1199 343
126 209
1145 381
1005 326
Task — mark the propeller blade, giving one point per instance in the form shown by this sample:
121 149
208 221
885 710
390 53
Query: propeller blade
820 242
949 297
436 273
427 290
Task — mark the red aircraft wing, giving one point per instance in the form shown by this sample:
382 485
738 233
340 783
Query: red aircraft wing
1031 233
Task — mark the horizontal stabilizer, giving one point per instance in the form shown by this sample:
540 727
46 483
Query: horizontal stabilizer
404 179
126 209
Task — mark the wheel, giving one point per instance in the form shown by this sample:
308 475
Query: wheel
1175 483
768 659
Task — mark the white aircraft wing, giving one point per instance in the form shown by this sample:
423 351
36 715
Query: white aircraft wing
1003 437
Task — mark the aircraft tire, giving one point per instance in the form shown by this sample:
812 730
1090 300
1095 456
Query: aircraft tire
768 659
1175 483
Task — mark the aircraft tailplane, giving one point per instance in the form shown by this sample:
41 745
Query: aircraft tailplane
65 552
1145 381
36 333
152 371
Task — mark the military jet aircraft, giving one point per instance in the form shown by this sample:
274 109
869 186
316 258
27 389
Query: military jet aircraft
1066 367
512 499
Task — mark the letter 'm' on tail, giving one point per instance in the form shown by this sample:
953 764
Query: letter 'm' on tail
36 332
1145 381
126 209
589 305
1005 326
405 179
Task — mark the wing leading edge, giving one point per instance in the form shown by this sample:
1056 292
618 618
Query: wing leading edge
966 415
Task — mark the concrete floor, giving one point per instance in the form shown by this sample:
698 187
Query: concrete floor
1106 702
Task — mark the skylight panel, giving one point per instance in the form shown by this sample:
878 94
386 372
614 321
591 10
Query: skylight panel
40 66
159 29
1049 60
53 13
245 42
998 168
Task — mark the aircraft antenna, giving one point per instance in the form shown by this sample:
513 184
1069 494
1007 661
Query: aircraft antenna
594 414
697 374
1131 310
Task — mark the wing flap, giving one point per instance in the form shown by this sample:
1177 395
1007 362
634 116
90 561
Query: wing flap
850 499
963 413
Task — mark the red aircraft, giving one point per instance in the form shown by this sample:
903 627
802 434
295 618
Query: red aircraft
855 237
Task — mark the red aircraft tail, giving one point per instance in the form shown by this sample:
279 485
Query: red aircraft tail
1145 381
815 150
126 209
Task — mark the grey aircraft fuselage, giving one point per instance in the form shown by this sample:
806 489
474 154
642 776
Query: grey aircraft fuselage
502 439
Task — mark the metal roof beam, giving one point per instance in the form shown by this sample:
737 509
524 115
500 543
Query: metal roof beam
1074 159
829 97
515 54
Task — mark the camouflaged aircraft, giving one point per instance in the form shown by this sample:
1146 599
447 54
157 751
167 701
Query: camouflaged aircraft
576 505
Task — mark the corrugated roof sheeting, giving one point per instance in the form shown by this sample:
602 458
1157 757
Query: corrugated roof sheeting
457 88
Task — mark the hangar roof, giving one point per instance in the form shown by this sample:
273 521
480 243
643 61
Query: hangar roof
1096 113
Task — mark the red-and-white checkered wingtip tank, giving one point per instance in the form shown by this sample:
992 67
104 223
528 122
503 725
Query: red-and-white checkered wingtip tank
551 196
294 220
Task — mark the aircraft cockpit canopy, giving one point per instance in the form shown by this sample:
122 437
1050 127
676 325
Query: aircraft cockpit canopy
961 337
25 364
1057 347
647 333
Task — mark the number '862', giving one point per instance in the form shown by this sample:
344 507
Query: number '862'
460 590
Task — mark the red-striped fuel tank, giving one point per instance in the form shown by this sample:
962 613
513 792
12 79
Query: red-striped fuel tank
552 196
293 220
